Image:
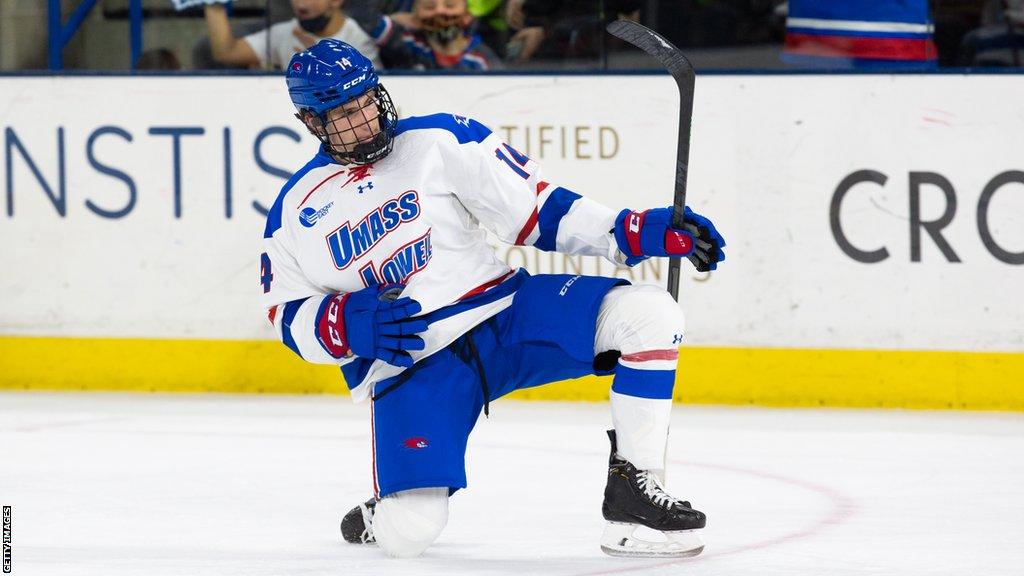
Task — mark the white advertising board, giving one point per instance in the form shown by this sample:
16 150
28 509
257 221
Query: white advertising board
872 212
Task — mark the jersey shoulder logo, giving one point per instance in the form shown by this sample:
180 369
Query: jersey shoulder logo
309 216
350 242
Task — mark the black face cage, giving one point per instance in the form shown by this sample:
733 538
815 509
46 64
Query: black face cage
347 129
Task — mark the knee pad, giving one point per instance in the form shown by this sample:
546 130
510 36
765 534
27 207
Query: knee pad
406 523
637 319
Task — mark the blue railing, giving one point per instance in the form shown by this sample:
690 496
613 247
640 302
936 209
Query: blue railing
60 33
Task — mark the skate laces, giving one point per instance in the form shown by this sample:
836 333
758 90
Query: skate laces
649 483
367 535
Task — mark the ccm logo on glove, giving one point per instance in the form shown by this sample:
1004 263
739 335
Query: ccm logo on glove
371 323
331 330
640 235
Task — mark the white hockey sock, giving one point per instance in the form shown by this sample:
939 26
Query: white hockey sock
641 429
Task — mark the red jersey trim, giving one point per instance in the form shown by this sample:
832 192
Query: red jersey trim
487 285
531 222
317 186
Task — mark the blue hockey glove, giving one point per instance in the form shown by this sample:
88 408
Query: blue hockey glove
371 323
650 233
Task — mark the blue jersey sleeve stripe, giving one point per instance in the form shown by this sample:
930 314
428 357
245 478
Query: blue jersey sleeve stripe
274 215
465 130
290 310
551 214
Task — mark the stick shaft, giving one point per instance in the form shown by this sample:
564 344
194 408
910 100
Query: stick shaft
682 174
673 60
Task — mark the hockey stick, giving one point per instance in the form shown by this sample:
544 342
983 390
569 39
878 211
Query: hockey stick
681 71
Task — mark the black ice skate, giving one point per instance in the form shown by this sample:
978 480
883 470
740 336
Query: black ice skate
634 500
357 525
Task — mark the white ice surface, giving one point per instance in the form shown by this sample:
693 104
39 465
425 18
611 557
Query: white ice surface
110 484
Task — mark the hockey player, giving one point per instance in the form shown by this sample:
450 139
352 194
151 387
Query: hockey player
376 260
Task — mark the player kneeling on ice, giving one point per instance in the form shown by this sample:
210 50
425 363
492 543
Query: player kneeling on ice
376 260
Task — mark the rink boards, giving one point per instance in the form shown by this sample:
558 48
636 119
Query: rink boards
875 228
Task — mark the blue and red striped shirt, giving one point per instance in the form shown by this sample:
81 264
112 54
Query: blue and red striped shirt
860 33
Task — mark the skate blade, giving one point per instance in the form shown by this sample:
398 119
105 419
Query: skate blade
621 539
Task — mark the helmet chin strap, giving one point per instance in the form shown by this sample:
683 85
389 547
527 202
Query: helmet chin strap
366 152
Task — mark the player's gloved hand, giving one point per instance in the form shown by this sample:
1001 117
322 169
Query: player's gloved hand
371 323
650 233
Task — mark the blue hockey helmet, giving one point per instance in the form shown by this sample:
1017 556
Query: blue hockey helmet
341 101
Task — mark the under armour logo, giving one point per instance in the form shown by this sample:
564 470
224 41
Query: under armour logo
677 339
367 186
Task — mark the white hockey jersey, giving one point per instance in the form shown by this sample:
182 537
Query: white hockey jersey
415 218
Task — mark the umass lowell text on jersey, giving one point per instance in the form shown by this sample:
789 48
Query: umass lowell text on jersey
349 243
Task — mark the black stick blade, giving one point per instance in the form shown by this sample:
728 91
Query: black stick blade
670 57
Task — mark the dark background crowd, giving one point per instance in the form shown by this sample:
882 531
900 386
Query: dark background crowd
475 35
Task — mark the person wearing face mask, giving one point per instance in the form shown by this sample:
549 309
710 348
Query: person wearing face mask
438 35
313 21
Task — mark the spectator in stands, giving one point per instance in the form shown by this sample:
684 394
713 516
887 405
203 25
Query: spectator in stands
562 29
527 39
1000 39
158 59
490 23
438 35
314 20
